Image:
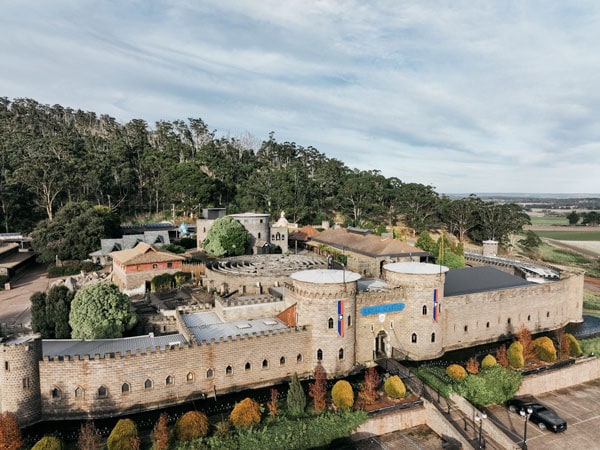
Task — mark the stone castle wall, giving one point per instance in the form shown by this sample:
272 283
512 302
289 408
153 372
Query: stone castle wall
93 387
484 317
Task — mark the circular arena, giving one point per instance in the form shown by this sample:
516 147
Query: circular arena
253 273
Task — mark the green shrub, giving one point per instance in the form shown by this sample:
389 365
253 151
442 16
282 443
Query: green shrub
574 347
178 249
187 242
456 372
488 361
163 282
494 385
65 270
515 355
190 426
342 395
124 436
49 443
89 266
182 278
394 387
436 378
296 399
544 349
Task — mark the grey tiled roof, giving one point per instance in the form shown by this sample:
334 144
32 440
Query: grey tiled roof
54 348
471 280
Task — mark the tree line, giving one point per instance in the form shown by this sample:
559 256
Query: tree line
51 156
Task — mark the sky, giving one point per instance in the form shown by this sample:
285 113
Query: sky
466 96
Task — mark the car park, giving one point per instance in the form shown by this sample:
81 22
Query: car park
544 417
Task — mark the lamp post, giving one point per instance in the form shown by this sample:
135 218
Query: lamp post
525 414
479 418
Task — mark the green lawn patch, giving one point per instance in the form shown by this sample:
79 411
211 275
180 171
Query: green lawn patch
570 235
548 220
589 346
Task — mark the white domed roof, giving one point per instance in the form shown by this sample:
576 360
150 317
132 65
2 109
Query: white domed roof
416 268
326 276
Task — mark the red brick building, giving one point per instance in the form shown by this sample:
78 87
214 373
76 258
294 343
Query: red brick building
132 268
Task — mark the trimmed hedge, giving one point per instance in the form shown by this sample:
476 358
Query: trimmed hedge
515 355
49 443
190 426
488 361
245 413
394 387
342 394
456 372
574 347
494 385
162 282
123 435
544 349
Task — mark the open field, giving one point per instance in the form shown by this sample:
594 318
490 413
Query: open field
566 235
548 220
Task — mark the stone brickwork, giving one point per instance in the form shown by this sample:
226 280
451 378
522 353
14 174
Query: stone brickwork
248 308
475 319
317 310
20 380
94 387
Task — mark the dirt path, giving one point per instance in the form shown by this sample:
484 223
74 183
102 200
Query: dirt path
15 306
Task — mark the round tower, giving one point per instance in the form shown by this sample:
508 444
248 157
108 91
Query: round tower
420 335
326 303
20 379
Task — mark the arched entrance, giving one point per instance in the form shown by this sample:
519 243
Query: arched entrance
381 344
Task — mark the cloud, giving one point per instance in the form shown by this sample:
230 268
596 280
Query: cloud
468 97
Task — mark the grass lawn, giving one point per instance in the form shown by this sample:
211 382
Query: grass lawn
570 235
591 301
555 255
548 220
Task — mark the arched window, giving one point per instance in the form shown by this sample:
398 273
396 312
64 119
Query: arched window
432 337
487 325
349 320
466 328
265 364
247 367
259 235
319 355
125 388
299 357
102 391
170 380
509 320
424 310
413 338
155 266
529 317
79 392
330 323
209 373
148 383
56 393
228 370
282 361
547 313
190 377
341 353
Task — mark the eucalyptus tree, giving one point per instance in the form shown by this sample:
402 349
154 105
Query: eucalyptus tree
420 205
460 214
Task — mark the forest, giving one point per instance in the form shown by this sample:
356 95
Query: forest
53 155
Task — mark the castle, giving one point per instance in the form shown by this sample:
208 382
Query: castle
333 318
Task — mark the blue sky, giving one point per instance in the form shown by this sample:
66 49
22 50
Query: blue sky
485 96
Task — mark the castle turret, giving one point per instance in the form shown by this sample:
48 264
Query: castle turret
326 302
20 379
420 334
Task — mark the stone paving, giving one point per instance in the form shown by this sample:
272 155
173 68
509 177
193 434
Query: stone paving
15 304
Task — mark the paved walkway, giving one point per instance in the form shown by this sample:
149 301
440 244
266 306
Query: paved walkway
15 304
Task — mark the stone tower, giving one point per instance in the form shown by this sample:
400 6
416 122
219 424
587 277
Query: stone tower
421 333
326 304
20 380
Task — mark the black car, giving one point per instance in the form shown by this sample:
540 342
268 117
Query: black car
541 415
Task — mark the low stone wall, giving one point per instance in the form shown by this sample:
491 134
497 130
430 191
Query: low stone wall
582 371
390 422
